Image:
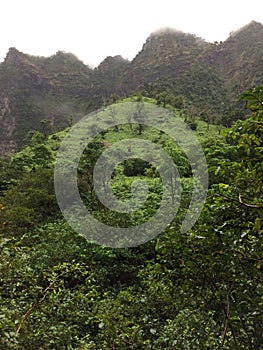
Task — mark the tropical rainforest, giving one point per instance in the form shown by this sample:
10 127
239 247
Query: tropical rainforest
197 290
202 289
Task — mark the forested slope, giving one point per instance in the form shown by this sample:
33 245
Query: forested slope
198 290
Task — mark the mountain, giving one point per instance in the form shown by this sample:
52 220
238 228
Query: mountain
106 78
36 92
166 53
239 60
178 62
206 73
35 88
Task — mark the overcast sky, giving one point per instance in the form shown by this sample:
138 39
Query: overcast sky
94 29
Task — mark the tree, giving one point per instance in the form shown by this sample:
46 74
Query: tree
218 264
139 115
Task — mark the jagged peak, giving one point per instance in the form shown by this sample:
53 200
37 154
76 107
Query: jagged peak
18 58
255 23
166 30
174 35
13 50
13 54
65 60
64 56
112 60
171 32
252 26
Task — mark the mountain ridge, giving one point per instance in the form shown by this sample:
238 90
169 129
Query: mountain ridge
60 88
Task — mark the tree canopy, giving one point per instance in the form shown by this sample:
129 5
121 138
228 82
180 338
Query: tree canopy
199 290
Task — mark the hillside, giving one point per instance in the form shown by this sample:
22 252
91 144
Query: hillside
239 60
33 89
166 53
201 289
50 93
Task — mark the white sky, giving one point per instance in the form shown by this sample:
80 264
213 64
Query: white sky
93 30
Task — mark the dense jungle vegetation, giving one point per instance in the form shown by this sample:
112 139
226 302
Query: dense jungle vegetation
199 290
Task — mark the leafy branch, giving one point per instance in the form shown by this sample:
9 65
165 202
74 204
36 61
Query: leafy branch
36 304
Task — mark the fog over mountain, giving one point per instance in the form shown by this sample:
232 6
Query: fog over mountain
36 91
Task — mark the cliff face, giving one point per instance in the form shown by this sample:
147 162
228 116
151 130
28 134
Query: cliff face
21 85
35 88
240 58
61 88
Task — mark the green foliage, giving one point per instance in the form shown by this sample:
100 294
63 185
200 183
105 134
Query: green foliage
31 201
199 85
135 167
219 263
198 290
